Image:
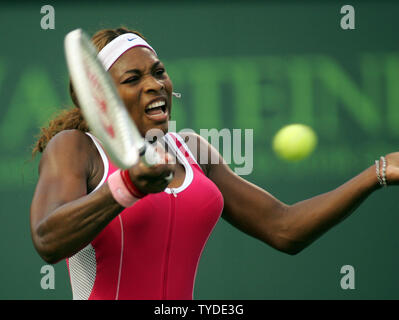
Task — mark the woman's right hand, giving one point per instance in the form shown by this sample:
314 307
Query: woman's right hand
153 179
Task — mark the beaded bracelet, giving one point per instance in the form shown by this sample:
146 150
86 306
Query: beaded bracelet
377 171
384 170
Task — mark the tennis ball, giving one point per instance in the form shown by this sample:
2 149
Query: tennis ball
294 142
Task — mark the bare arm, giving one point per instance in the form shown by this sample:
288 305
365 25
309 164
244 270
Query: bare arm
64 218
290 228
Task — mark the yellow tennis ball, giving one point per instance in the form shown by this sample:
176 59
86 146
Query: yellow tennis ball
294 142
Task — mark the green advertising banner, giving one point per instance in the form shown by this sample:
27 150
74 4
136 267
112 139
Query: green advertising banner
247 65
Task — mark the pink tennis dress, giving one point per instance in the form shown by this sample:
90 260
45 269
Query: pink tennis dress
151 250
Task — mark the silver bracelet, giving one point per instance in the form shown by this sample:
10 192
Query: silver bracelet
384 171
377 171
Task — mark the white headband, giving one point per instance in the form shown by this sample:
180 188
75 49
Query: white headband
113 50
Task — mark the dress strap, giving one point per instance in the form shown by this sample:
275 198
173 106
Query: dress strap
183 148
103 157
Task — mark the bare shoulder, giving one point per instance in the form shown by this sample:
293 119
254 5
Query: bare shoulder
192 139
63 173
201 149
68 148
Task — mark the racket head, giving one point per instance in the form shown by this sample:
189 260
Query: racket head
101 105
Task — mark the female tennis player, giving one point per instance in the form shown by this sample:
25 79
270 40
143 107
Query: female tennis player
128 234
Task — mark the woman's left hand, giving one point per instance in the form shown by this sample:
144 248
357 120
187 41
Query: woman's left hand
392 171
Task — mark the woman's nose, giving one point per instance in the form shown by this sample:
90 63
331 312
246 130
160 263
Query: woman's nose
153 84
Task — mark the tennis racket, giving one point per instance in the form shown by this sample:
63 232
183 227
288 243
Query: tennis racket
102 106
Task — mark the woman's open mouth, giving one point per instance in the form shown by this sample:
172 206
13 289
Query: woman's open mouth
157 111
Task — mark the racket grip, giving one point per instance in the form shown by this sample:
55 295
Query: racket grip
151 157
169 178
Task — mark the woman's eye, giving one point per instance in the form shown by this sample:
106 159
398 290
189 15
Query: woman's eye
160 72
131 79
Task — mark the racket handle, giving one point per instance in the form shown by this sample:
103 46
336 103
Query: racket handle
169 178
151 157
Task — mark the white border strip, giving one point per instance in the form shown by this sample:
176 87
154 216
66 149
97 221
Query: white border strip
189 171
185 146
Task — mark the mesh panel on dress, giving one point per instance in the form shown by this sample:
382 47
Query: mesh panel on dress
82 269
